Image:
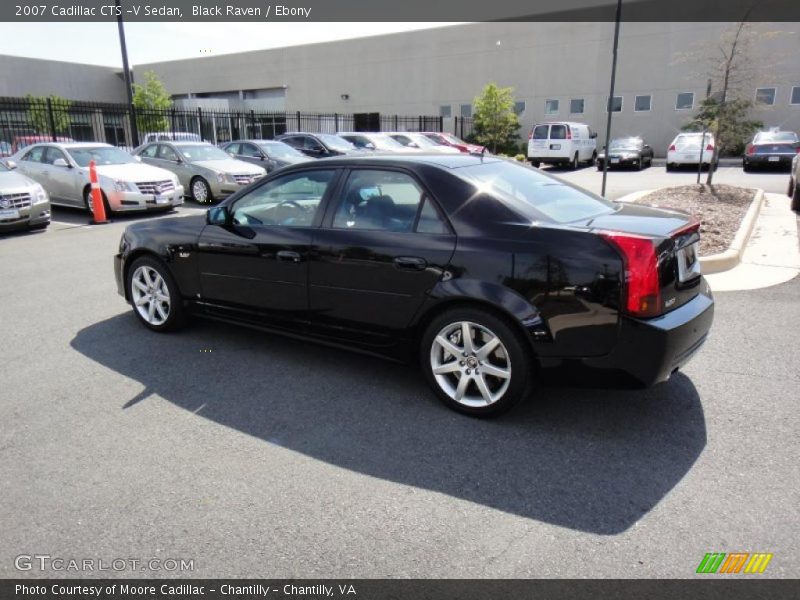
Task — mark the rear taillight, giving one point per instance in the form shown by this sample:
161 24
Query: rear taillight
672 148
751 150
530 135
642 289
797 150
569 133
710 147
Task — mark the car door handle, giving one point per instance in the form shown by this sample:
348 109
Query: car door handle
289 256
411 263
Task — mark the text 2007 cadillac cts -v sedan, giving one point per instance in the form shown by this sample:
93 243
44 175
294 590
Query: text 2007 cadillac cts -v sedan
484 270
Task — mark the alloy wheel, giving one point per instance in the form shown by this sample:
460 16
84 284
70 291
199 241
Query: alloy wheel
470 364
200 191
150 295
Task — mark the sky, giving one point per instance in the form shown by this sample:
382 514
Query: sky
98 43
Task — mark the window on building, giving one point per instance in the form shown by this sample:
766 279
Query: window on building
466 110
642 103
446 111
684 101
616 104
519 107
765 96
551 107
795 99
576 106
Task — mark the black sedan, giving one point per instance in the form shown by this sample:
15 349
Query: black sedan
771 149
485 271
319 145
270 154
627 152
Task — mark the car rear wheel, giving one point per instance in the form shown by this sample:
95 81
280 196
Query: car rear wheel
154 295
670 167
535 163
201 191
796 197
475 362
575 162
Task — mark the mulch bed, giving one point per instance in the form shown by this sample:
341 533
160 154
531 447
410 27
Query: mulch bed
720 209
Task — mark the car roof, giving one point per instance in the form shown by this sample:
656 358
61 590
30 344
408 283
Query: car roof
447 161
184 142
72 144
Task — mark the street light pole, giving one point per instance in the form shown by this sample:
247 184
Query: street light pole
127 71
609 105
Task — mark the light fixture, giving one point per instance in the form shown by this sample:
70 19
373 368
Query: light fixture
345 96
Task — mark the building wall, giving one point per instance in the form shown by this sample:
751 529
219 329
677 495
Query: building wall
417 72
22 76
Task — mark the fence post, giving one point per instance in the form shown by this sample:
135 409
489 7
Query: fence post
395 122
419 123
200 122
299 128
51 119
441 123
172 121
252 123
335 122
134 128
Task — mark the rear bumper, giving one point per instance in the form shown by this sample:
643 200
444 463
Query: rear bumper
689 158
651 350
766 160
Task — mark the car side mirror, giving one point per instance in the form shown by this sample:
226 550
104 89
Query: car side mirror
218 215
60 162
594 135
413 145
369 146
11 164
138 158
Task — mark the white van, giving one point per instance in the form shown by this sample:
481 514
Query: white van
562 143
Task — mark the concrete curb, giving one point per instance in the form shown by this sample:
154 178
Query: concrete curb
716 263
633 197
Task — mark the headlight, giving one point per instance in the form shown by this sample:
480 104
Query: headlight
39 196
123 186
221 177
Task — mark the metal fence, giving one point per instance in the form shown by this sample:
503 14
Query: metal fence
23 120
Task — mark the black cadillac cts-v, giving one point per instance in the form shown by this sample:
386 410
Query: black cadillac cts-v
485 271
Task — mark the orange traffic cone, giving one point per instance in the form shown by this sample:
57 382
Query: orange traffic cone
98 209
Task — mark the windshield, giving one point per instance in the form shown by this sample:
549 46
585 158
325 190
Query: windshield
335 142
626 144
3 167
202 152
384 142
775 136
281 150
420 140
533 194
453 139
101 155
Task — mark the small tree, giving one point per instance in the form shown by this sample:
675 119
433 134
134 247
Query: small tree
495 122
39 118
730 121
151 99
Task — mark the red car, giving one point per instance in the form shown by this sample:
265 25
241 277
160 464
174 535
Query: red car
448 139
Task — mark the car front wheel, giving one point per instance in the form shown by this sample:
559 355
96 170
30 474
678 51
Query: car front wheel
201 191
154 295
476 362
796 197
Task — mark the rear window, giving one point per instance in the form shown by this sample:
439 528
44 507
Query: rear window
558 132
540 132
534 195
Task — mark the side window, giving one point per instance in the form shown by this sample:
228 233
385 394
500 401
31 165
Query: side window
52 154
35 154
379 200
293 141
429 219
149 151
249 150
309 143
232 148
288 201
166 153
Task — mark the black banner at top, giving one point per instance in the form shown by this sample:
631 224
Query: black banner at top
402 10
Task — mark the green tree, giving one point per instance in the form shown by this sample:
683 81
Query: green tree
495 122
729 120
39 118
151 101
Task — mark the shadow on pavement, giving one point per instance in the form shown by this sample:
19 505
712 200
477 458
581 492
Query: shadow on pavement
590 460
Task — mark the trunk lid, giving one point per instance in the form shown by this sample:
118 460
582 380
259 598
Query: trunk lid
674 236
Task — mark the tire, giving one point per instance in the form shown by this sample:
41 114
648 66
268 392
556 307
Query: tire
640 164
200 191
796 198
593 160
87 201
745 167
484 394
535 163
790 189
40 226
159 317
575 163
599 165
670 167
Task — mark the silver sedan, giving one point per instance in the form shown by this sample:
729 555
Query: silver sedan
207 172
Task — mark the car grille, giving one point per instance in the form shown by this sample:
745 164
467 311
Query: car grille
245 179
15 200
154 188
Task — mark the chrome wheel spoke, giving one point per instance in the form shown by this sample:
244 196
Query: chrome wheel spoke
489 347
489 369
450 367
139 285
448 345
484 389
141 300
463 382
161 312
466 338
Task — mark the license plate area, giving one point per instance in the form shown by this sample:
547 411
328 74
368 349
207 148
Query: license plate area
774 158
688 263
9 213
555 146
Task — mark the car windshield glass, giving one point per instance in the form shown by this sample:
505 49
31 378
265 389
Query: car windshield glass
3 167
626 144
281 150
202 152
421 141
533 194
384 142
776 136
453 139
335 142
101 155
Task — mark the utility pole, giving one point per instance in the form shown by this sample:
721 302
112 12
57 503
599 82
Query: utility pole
127 71
609 104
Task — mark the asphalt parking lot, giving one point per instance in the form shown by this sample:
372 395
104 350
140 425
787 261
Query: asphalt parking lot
255 454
